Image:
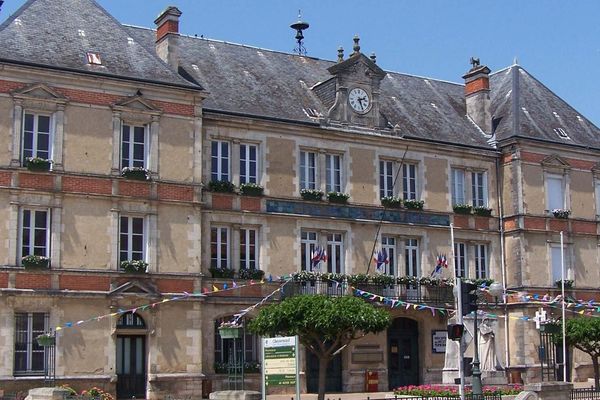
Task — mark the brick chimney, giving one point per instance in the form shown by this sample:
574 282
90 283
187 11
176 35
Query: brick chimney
477 95
167 36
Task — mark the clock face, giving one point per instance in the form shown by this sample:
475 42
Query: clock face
359 100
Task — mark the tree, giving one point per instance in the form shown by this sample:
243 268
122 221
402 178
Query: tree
584 334
324 325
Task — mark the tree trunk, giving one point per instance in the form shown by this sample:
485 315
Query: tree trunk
323 361
596 372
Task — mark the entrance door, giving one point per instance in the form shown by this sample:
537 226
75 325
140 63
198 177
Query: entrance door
131 366
333 383
403 353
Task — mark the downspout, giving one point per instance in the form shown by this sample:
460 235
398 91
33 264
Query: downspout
503 264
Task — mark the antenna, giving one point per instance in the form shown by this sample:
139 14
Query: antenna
299 26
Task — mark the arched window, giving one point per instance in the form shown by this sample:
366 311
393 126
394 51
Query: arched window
224 348
131 320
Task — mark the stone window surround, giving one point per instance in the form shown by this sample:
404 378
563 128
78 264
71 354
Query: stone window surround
398 189
400 249
470 256
234 157
321 168
569 254
322 243
233 247
555 166
468 183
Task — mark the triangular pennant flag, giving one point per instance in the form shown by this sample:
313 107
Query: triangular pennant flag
215 289
204 290
69 324
224 286
433 312
58 328
581 312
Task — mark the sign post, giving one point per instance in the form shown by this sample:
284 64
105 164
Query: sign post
280 363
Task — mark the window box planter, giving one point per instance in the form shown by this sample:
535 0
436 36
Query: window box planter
560 213
37 164
134 266
383 280
358 279
35 262
391 202
482 211
337 197
311 194
251 189
230 331
46 340
221 186
462 208
226 273
568 284
414 204
245 273
305 276
135 173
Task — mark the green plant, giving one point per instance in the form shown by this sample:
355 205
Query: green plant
462 208
384 280
330 276
480 282
311 194
137 173
251 189
217 272
338 197
414 204
46 339
435 282
560 213
391 202
33 261
248 273
407 280
305 276
482 211
134 266
221 186
37 164
358 279
568 283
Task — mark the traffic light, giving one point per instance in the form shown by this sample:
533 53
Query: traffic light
469 297
455 331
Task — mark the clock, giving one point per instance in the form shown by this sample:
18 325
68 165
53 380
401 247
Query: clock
359 100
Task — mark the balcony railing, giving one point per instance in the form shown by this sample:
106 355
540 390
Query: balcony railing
411 293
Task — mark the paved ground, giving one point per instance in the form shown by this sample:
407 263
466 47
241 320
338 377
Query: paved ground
333 396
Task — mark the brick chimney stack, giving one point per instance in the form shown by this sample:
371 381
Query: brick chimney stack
167 36
477 95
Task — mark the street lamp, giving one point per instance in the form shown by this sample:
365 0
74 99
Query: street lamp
496 290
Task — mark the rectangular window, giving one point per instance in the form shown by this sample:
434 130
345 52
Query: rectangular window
132 240
386 178
219 159
248 163
219 247
35 232
481 262
458 186
36 136
133 146
29 356
479 189
411 253
248 249
460 260
308 170
308 243
409 181
334 173
556 263
555 195
388 244
597 198
335 253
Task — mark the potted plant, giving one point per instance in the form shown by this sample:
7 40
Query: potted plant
35 262
311 194
249 273
561 213
46 339
383 280
338 197
134 266
414 204
251 367
305 276
333 276
136 173
251 189
407 280
218 272
391 202
221 186
482 211
568 283
358 279
38 164
230 330
462 208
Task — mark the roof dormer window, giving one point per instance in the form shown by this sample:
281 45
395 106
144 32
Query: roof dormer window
561 133
93 58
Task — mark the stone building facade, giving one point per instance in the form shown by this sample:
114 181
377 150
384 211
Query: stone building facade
191 111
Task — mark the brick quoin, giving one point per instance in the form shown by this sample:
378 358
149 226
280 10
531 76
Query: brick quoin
175 192
559 225
461 221
5 178
482 223
32 281
134 189
175 286
222 202
250 203
84 282
510 224
532 157
535 223
584 227
506 158
86 185
36 181
9 86
580 164
3 280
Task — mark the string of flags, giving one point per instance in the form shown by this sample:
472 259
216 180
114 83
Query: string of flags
242 313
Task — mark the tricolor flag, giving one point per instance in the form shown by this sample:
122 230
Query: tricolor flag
381 260
317 256
441 262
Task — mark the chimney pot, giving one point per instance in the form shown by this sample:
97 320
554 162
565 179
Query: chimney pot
167 22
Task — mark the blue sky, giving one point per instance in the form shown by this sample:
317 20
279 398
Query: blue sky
556 41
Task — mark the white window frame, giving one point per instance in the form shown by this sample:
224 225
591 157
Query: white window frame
309 240
333 173
130 235
31 344
555 271
335 252
307 169
549 200
219 174
32 228
412 257
388 244
249 164
132 143
458 186
246 244
597 193
386 178
481 261
407 178
220 257
479 183
461 260
35 135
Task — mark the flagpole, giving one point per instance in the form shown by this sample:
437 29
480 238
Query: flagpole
564 320
459 316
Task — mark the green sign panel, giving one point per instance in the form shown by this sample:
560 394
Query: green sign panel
279 363
280 379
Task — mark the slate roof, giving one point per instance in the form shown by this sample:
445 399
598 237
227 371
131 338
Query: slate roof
59 33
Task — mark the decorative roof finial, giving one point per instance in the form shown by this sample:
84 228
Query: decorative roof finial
474 62
373 57
356 46
340 54
299 26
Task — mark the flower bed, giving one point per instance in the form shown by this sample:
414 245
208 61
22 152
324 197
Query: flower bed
251 189
391 202
462 208
137 173
37 164
221 186
35 262
222 272
482 211
134 266
338 197
414 204
452 391
246 273
311 194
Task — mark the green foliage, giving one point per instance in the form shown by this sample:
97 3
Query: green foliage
134 266
584 334
414 204
37 164
33 261
462 208
247 273
358 279
251 189
391 202
568 283
338 197
221 272
482 211
136 173
221 186
311 194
